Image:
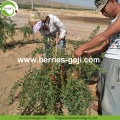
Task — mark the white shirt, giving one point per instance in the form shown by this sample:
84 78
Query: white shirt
55 25
114 47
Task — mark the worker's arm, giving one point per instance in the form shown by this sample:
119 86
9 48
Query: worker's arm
100 38
97 50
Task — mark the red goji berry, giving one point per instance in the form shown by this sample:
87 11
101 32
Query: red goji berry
62 67
53 78
54 82
62 74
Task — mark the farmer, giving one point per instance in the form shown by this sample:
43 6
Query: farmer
48 26
109 82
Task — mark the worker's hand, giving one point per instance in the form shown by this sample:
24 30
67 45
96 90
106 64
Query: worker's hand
87 53
78 52
58 40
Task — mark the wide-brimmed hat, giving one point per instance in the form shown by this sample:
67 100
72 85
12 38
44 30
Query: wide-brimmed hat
100 4
35 16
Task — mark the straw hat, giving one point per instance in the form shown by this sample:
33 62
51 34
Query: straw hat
35 16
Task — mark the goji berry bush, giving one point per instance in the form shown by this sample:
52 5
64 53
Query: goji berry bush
55 86
8 30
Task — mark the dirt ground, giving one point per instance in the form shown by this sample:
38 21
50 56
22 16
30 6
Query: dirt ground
79 24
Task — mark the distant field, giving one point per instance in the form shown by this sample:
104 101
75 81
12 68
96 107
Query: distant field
45 3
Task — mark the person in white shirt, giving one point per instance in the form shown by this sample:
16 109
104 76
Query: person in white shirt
109 78
48 26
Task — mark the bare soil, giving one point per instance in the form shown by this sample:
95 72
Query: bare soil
79 24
